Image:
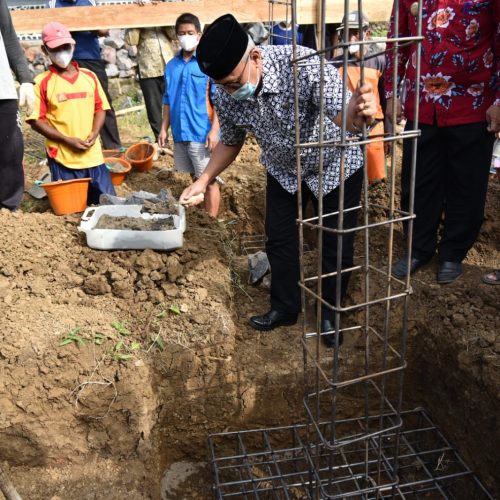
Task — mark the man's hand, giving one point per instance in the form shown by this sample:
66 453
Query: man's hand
76 144
27 97
194 194
493 118
399 109
363 106
163 139
212 140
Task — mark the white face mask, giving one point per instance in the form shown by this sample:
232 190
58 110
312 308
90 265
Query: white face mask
61 58
354 48
188 42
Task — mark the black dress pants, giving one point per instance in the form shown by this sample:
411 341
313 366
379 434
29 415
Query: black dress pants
153 90
11 159
110 136
451 179
282 245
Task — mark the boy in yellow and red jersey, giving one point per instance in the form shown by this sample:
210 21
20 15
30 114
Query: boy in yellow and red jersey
69 112
374 66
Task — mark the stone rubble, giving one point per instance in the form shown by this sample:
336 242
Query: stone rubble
120 58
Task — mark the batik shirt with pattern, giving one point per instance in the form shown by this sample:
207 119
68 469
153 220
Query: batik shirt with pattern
270 118
460 67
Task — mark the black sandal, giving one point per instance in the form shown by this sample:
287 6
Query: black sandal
492 278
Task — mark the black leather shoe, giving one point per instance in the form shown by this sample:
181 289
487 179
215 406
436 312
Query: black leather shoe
399 270
272 319
329 339
449 272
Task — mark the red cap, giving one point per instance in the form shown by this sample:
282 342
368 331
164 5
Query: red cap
56 34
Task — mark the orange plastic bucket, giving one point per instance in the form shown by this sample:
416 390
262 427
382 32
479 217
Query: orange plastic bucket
68 197
140 156
118 169
112 153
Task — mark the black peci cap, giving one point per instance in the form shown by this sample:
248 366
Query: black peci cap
221 47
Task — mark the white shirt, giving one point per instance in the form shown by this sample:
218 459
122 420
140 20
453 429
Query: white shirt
7 86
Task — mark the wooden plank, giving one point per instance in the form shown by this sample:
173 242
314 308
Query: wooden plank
165 14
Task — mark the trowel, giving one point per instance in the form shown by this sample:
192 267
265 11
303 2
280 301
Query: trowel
37 190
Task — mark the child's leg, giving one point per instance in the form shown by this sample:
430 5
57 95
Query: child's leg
182 160
200 157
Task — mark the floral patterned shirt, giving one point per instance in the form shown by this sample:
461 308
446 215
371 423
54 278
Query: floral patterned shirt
270 117
460 69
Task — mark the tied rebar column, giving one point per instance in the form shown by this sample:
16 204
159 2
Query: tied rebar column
371 386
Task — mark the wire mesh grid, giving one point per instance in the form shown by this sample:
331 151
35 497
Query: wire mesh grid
34 144
281 463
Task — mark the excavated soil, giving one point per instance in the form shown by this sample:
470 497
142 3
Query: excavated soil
117 365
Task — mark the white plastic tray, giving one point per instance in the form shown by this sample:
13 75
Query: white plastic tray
123 239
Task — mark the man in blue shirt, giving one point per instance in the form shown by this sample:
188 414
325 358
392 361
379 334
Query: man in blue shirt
88 55
188 110
281 34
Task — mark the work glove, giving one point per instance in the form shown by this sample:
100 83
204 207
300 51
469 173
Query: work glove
27 97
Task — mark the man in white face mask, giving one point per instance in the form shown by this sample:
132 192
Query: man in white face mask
188 110
69 112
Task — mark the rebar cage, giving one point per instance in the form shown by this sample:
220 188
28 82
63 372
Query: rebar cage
381 451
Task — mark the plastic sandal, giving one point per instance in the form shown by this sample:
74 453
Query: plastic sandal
492 278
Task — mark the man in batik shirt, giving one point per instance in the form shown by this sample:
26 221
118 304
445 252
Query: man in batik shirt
256 94
458 114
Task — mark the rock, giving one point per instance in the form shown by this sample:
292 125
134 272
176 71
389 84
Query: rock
126 73
132 51
200 318
108 54
148 261
174 268
155 296
200 294
170 289
156 276
458 320
32 53
38 68
96 285
123 61
123 289
112 70
258 265
115 39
